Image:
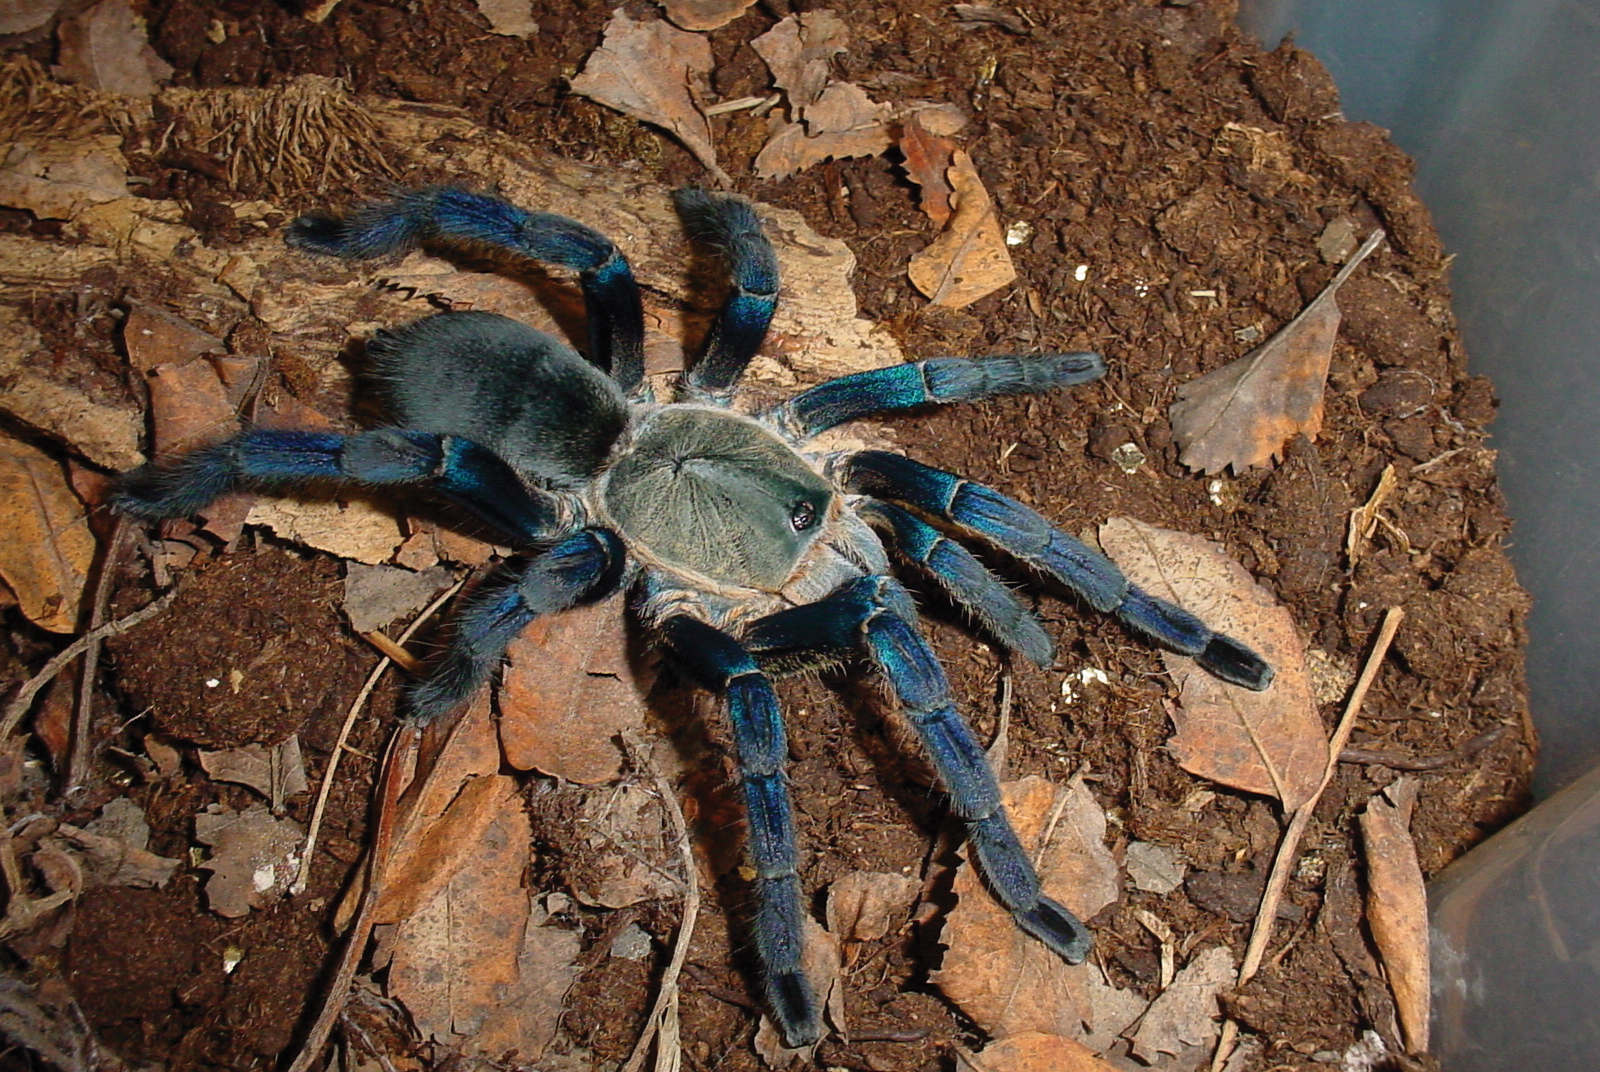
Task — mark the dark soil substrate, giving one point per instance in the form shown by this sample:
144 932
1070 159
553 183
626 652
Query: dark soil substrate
1120 131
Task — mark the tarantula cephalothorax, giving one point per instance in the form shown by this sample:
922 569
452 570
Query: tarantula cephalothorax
745 554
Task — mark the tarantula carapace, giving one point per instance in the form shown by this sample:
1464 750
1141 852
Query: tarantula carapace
746 554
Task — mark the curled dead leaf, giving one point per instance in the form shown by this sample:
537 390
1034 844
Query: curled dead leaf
969 260
46 555
646 70
1243 413
1397 906
1270 742
927 162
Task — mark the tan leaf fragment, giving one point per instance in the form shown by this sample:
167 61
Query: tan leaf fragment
623 848
570 689
1270 742
254 857
155 337
103 860
374 596
108 48
1186 1013
47 552
969 260
704 14
56 180
468 967
646 70
845 122
1397 906
1006 981
798 51
354 529
189 407
927 163
1033 1051
510 18
864 905
20 16
1243 413
277 771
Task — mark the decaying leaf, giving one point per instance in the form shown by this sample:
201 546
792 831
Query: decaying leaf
189 406
47 552
645 69
354 529
1154 868
1270 742
107 48
798 51
704 14
844 122
1242 414
1033 1051
113 849
571 687
969 260
1006 981
254 857
864 905
374 596
20 16
623 850
512 18
56 180
467 966
277 771
1186 1013
1397 906
927 163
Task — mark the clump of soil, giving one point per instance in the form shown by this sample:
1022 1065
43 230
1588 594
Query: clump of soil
1177 183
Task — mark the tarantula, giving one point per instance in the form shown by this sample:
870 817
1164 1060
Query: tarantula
745 554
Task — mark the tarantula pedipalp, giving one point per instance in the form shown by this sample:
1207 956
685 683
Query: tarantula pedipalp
746 554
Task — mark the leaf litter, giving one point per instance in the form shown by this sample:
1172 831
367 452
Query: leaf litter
1397 905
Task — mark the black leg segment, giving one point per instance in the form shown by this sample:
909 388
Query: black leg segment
731 225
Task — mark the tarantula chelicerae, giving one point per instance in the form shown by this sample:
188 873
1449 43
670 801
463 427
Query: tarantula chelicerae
746 555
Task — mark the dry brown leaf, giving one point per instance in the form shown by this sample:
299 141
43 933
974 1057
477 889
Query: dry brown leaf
104 860
864 905
624 862
354 529
510 18
155 337
1006 981
107 48
570 688
254 857
798 51
466 965
704 14
645 69
1186 1013
56 180
969 260
48 549
791 149
20 16
927 161
1270 742
277 771
189 407
1243 413
374 596
1397 906
1033 1051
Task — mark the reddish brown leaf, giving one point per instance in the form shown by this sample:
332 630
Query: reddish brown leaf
1033 1051
864 905
704 14
1268 742
1397 906
47 552
927 159
1242 414
645 69
569 690
969 260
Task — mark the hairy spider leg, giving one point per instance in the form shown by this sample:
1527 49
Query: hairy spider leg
867 613
583 567
964 579
724 666
730 225
937 380
1020 531
449 214
456 468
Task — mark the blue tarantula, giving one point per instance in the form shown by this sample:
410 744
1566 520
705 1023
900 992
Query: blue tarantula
745 554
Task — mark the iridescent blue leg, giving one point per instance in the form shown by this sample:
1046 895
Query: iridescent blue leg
447 214
729 224
721 664
966 580
456 468
579 569
1020 531
934 381
870 614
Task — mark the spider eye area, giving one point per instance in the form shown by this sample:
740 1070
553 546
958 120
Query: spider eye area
802 516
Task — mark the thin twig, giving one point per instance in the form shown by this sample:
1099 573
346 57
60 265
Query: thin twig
1289 848
1398 761
326 788
83 711
18 708
663 1018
